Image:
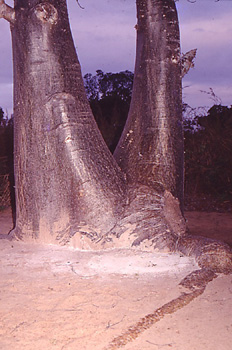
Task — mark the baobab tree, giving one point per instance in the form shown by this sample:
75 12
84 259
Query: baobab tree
70 190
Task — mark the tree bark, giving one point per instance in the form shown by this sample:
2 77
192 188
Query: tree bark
7 12
66 180
68 185
150 150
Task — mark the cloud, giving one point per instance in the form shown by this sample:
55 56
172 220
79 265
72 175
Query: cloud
197 95
211 34
5 53
6 91
105 35
202 9
5 67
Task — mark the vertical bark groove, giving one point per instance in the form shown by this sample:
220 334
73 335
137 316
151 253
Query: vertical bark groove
65 175
7 12
150 150
68 185
46 13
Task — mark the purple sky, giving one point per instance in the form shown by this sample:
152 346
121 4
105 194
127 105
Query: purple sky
104 36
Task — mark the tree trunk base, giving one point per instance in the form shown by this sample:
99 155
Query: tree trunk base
152 220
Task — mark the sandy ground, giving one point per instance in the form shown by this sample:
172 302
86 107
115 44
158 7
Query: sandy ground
62 299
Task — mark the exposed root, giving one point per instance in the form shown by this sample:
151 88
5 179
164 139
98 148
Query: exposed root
212 256
196 282
198 279
209 253
152 219
149 320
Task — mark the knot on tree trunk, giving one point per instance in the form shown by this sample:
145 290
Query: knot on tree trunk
209 253
7 12
173 215
47 13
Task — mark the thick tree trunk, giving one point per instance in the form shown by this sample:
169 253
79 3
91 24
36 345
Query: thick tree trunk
150 150
67 182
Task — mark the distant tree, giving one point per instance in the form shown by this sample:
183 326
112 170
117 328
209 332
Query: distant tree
6 160
2 136
69 187
208 157
109 95
6 143
2 119
104 85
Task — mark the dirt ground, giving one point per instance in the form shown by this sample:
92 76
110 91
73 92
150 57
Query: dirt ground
63 299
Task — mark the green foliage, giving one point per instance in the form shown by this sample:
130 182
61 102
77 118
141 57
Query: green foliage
2 136
109 95
6 135
104 85
208 156
208 141
6 160
1 116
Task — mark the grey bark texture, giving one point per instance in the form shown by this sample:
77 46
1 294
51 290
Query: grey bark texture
66 178
7 12
150 150
69 188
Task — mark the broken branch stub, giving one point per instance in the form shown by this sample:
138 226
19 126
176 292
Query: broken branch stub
187 61
7 12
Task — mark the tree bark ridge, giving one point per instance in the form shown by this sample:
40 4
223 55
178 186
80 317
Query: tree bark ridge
7 12
150 150
66 178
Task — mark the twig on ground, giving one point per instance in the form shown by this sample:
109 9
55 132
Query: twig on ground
109 325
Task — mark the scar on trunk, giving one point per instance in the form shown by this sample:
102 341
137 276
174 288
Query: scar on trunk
46 13
7 12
